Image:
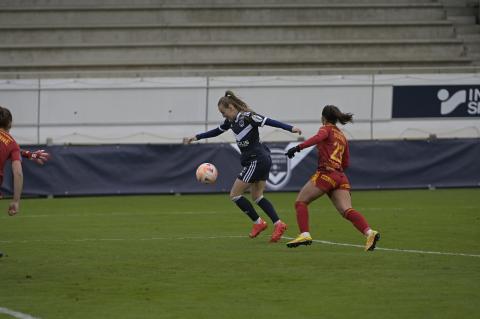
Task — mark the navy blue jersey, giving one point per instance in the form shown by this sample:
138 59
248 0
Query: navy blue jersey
245 128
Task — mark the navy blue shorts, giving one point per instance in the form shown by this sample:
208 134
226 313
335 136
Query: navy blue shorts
256 170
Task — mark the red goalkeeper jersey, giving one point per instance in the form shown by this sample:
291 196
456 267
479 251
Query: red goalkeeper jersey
9 149
332 146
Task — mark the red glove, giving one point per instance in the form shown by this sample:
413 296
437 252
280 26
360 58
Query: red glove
40 156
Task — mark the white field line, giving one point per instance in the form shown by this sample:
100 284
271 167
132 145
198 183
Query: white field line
16 314
30 215
412 251
109 214
117 239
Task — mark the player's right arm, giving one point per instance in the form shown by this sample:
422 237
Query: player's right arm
315 139
321 135
17 172
212 133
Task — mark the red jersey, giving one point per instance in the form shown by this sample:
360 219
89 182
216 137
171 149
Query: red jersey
332 146
9 149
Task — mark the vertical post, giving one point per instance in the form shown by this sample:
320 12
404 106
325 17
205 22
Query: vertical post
38 110
207 93
371 106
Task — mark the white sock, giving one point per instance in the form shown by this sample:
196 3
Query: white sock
305 234
278 221
259 220
368 232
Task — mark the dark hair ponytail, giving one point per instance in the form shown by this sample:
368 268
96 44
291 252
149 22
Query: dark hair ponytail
333 115
231 98
5 118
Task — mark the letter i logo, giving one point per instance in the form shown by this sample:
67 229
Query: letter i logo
450 103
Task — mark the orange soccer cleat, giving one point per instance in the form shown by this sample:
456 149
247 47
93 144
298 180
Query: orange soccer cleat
257 229
280 228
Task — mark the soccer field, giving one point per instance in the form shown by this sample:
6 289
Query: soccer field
189 256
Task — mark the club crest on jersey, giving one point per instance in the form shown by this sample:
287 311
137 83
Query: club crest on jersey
241 122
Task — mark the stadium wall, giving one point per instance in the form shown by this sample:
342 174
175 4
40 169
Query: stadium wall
163 110
170 168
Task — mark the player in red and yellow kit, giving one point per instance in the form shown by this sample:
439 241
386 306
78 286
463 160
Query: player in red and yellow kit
333 159
9 150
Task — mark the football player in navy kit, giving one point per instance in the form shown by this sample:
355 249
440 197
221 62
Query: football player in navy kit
255 159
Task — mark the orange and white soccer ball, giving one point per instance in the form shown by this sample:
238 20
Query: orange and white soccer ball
207 173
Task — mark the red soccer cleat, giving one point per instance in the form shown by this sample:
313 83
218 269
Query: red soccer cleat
280 228
257 229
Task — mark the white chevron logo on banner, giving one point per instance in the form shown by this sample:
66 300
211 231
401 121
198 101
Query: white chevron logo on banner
282 166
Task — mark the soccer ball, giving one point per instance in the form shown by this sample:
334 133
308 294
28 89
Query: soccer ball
207 173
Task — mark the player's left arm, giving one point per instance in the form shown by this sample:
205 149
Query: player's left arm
39 156
261 120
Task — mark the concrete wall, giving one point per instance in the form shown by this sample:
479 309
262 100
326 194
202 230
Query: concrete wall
163 110
120 38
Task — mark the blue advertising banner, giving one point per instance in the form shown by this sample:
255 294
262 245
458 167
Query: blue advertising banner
167 169
436 101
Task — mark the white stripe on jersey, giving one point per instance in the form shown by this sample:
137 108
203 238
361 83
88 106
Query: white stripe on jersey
263 122
243 133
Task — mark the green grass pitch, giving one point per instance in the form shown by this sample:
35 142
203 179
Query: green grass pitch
189 257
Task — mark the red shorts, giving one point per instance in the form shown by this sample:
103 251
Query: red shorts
328 181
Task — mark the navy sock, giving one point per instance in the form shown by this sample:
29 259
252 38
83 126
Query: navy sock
268 208
246 207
